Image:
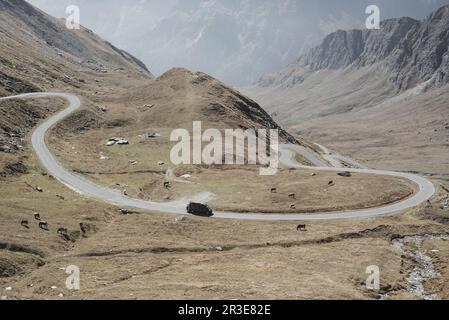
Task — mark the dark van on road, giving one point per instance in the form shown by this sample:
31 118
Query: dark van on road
199 209
346 174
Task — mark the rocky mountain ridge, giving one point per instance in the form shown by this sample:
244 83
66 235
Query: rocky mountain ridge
411 51
37 49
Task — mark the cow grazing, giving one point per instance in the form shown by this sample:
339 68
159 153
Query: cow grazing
43 225
63 232
24 223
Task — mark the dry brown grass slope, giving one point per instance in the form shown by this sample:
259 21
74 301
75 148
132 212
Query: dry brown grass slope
180 97
378 95
38 50
38 53
359 113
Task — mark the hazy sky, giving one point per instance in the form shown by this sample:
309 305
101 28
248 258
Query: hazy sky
234 40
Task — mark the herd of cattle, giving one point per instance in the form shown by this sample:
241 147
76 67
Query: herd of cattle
63 232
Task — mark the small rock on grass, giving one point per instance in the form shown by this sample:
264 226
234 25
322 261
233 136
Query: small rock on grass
181 219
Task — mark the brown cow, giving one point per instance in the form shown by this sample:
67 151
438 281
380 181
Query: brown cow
63 232
83 228
24 223
43 225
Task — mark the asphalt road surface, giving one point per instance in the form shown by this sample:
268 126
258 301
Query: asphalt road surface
287 154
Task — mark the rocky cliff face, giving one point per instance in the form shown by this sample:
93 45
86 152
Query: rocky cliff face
13 85
412 51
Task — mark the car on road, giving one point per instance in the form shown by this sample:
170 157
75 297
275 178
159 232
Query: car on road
346 174
199 209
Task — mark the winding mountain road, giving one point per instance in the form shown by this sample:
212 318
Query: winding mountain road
287 154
